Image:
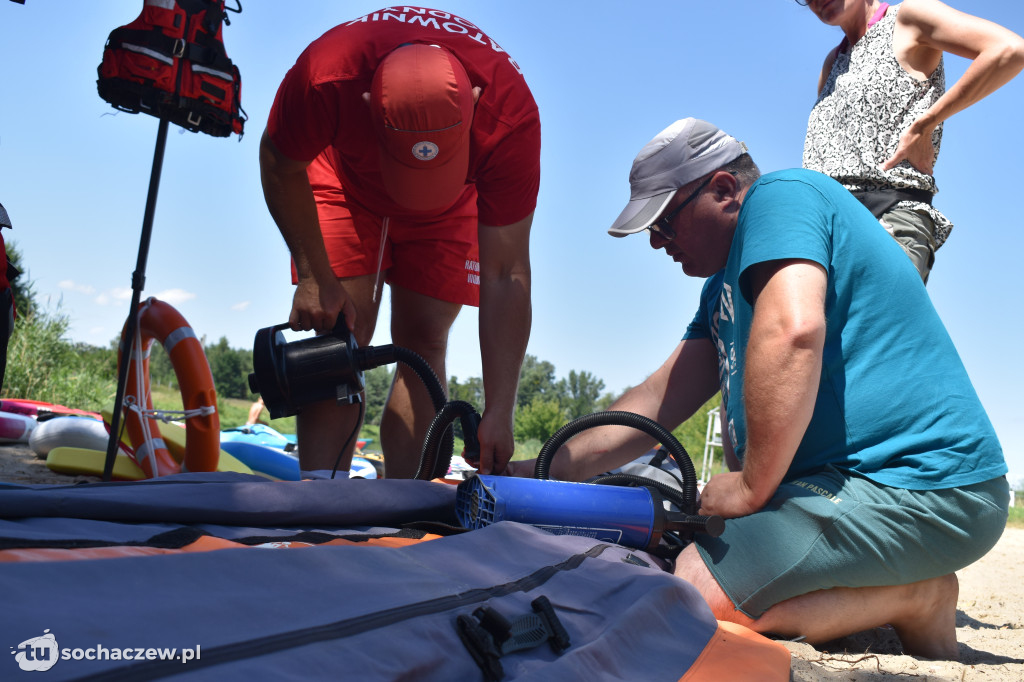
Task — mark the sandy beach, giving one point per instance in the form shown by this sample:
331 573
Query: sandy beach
990 614
989 624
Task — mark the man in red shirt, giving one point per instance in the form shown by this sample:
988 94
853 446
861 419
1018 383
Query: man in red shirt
404 147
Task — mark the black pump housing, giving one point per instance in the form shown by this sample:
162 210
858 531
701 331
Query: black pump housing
291 375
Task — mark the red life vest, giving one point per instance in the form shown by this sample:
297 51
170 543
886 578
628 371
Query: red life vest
7 273
171 62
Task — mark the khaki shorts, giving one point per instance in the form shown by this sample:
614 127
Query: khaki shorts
914 230
837 529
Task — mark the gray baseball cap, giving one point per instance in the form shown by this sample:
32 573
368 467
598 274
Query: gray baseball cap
5 220
686 150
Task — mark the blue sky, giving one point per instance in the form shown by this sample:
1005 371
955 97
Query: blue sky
74 175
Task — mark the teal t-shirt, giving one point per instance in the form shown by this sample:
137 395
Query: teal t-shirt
894 402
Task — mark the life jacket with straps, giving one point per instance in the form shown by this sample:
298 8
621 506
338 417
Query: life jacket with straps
8 308
171 63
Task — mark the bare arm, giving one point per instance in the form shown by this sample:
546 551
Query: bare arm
318 297
669 396
924 30
505 317
783 369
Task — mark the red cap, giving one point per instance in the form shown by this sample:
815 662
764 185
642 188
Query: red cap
422 108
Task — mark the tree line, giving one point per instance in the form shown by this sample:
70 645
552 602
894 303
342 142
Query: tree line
44 365
543 404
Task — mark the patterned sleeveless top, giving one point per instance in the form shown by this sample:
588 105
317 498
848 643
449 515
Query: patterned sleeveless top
867 102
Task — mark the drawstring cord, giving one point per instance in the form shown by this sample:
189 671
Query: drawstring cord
380 258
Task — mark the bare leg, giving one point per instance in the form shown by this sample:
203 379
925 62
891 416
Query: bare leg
321 428
421 324
923 613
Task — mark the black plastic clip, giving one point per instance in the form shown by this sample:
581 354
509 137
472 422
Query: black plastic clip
481 647
488 635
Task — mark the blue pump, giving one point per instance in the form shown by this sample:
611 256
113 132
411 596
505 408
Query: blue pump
625 516
636 516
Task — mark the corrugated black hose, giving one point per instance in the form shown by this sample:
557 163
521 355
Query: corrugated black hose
437 455
375 356
636 421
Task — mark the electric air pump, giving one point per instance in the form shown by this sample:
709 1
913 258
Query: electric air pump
291 375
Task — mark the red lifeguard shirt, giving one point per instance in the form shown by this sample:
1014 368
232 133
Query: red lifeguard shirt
319 108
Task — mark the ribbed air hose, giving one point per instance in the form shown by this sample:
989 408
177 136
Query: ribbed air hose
437 455
376 356
636 421
670 493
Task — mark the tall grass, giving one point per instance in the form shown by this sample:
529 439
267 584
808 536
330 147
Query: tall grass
1016 518
43 365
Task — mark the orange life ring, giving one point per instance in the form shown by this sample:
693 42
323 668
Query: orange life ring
161 322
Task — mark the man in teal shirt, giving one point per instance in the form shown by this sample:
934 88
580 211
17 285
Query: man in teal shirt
865 470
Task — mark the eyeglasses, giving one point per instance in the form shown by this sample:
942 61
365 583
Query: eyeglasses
663 226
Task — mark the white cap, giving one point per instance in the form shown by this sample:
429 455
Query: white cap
686 150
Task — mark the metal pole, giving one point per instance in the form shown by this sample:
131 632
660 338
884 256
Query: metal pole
138 284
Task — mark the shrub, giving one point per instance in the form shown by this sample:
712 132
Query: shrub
538 420
692 435
43 365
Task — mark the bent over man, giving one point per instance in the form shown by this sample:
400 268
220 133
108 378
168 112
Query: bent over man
403 147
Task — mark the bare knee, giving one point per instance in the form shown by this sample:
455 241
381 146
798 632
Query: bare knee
432 348
691 568
421 323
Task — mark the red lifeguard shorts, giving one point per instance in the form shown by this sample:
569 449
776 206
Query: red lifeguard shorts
435 257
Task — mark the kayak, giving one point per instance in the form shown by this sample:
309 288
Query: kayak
258 434
261 434
90 462
264 459
68 431
15 428
284 466
39 408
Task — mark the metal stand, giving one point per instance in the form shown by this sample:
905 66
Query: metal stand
138 283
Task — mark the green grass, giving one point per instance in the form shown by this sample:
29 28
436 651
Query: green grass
233 411
527 450
1016 519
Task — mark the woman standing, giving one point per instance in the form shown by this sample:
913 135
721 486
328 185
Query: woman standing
877 124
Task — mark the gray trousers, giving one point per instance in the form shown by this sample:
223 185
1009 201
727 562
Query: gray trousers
915 232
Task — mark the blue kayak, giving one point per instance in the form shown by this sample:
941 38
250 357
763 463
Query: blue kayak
282 465
258 434
261 434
